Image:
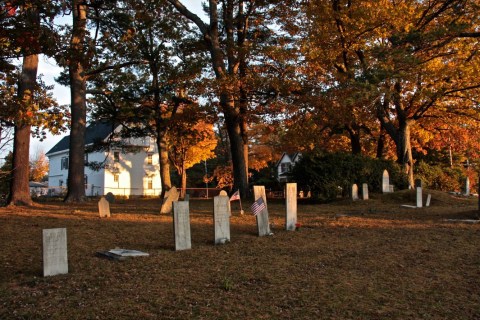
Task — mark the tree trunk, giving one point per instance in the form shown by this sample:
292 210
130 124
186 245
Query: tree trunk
19 187
381 144
164 164
184 180
404 150
76 172
232 121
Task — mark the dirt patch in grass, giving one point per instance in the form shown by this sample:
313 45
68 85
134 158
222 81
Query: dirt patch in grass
350 260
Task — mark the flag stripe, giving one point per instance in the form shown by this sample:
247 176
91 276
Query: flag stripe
258 206
235 196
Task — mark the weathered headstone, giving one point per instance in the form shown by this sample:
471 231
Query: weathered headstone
221 217
104 208
385 182
467 186
263 224
391 188
110 197
223 193
365 191
170 196
418 183
354 192
55 258
181 223
291 206
419 197
429 198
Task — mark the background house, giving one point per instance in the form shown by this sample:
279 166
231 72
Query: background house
285 165
129 169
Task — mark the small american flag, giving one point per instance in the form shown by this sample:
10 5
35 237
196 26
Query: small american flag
258 206
235 196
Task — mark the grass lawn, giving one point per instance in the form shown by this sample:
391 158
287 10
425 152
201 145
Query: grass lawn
350 260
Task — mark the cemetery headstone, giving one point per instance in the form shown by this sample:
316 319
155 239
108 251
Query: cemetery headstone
291 206
419 197
170 196
55 259
391 188
467 187
181 225
429 198
104 208
365 191
354 192
263 224
223 193
221 217
385 182
110 197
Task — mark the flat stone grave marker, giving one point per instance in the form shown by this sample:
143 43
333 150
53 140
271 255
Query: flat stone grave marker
221 217
365 191
263 224
104 208
419 197
121 254
55 258
170 196
354 192
110 197
291 207
181 223
385 182
429 198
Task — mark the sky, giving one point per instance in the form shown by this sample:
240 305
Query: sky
50 70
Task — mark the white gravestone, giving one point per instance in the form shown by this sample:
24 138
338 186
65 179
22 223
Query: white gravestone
221 217
55 259
419 197
354 192
181 223
291 207
170 196
263 224
365 191
385 182
467 187
104 208
429 198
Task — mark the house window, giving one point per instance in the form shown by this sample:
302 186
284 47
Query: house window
86 182
115 177
64 163
116 156
149 158
60 183
86 158
150 183
285 167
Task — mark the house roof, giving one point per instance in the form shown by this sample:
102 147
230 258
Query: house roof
292 157
97 131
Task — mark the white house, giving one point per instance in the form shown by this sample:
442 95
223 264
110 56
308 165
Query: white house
131 169
285 165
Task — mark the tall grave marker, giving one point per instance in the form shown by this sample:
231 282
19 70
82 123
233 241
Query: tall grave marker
385 182
181 225
355 192
365 191
419 197
104 208
291 206
221 217
263 224
55 259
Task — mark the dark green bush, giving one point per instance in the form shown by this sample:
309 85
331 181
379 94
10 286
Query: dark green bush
332 174
445 178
